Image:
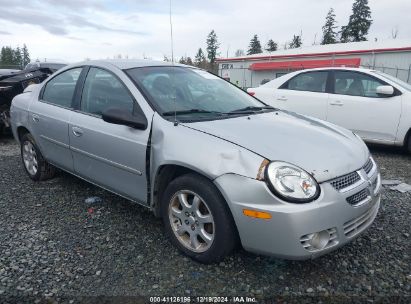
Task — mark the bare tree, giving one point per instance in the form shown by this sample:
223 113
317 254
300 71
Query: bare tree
394 32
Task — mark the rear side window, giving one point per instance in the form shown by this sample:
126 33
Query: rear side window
310 82
103 90
356 84
60 89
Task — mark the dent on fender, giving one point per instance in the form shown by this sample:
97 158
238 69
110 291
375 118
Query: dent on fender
208 155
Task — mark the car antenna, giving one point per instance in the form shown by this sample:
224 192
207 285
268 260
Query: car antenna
172 63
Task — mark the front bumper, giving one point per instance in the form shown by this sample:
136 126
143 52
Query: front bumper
287 233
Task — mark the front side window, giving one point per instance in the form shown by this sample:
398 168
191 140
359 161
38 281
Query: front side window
103 90
191 93
356 84
310 82
60 89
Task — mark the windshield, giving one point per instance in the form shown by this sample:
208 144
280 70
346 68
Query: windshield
397 81
192 93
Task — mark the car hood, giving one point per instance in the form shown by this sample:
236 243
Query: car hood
322 149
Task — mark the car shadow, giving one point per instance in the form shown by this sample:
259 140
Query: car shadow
375 148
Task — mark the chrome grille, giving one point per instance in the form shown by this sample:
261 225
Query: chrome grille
345 180
358 197
358 224
368 166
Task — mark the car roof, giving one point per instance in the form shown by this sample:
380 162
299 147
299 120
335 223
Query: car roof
292 74
337 68
124 64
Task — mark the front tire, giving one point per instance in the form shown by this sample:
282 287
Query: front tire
197 219
34 163
408 147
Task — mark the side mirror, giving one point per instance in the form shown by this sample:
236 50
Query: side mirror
385 90
122 117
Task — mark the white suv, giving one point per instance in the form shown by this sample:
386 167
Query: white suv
374 105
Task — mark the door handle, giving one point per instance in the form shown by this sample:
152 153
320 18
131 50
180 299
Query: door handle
282 98
35 117
337 103
77 131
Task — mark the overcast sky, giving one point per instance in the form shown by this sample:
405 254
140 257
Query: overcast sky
77 29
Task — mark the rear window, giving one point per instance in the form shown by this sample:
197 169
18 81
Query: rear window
60 90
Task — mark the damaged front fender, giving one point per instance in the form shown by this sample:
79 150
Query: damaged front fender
200 152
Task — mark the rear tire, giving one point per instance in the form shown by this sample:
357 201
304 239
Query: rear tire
408 147
34 163
197 219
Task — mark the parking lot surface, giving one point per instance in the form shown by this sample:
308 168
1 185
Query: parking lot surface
53 244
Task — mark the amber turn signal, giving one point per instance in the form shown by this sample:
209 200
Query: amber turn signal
257 214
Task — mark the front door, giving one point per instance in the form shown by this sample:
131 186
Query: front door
305 93
112 156
355 105
50 116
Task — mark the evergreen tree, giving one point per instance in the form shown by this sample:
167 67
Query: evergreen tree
2 55
271 46
17 57
212 46
189 61
26 55
7 55
358 24
182 60
329 33
296 42
200 60
239 53
255 46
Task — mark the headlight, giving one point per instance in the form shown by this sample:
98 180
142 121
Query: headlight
291 183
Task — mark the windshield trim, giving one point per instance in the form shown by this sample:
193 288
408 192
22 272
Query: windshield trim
155 108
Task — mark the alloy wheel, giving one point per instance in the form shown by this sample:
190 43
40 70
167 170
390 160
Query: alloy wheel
191 221
30 158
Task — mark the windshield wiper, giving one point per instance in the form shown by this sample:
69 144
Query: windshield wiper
249 109
252 109
191 111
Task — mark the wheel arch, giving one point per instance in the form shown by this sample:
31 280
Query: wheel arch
407 140
21 131
164 175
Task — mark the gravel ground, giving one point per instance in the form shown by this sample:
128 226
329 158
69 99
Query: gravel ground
54 246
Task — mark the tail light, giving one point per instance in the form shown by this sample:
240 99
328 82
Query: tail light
251 93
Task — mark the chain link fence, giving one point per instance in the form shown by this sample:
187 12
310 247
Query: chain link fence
400 73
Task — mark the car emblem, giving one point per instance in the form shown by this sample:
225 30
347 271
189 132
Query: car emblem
28 75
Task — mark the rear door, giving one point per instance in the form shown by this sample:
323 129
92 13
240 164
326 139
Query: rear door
50 116
355 105
305 93
112 156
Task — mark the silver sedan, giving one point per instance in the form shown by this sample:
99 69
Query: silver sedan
219 166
